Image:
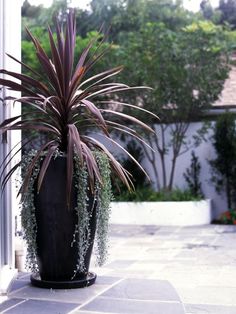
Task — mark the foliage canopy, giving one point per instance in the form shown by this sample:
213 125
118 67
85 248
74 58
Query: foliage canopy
181 55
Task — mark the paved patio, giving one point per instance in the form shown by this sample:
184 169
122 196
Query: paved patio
151 270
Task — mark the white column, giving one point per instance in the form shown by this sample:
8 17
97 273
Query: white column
10 42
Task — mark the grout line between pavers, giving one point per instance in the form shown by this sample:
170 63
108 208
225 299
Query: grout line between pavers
184 306
49 300
96 312
17 290
94 297
210 304
13 306
140 300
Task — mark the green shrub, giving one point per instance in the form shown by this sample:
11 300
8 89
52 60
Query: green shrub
224 165
146 194
192 176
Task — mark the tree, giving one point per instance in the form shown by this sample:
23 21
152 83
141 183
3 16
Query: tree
30 11
30 16
192 176
163 46
227 9
129 15
207 9
39 16
186 69
224 165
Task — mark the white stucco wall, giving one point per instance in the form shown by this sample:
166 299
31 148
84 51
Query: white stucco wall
205 152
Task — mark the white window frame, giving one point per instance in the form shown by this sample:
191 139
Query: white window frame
10 42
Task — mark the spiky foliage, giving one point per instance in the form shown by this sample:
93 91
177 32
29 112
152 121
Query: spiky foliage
65 102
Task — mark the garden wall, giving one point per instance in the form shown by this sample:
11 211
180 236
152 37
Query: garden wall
205 152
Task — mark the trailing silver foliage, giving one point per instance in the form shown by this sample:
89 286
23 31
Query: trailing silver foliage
81 237
28 219
104 198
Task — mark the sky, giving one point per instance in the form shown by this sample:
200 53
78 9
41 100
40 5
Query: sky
192 5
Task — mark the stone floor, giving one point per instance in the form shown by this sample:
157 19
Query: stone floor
150 270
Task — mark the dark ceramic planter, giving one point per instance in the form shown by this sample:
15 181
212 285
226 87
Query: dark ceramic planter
56 222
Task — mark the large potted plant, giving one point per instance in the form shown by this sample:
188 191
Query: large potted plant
66 187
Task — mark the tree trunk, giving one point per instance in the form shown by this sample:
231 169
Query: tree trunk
171 180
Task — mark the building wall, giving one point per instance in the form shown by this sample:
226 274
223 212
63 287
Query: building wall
205 152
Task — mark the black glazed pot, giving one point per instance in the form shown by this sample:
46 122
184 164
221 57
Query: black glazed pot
56 222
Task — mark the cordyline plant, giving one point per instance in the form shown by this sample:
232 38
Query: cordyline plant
64 104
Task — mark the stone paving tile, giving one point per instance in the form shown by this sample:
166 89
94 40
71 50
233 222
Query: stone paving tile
3 298
152 290
186 253
23 276
161 252
107 280
9 303
225 229
124 306
145 266
209 309
88 312
125 231
185 279
168 229
42 307
144 274
120 264
18 284
200 262
218 295
171 245
123 253
73 295
228 278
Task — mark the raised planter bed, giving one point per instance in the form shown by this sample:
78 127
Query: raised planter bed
190 213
